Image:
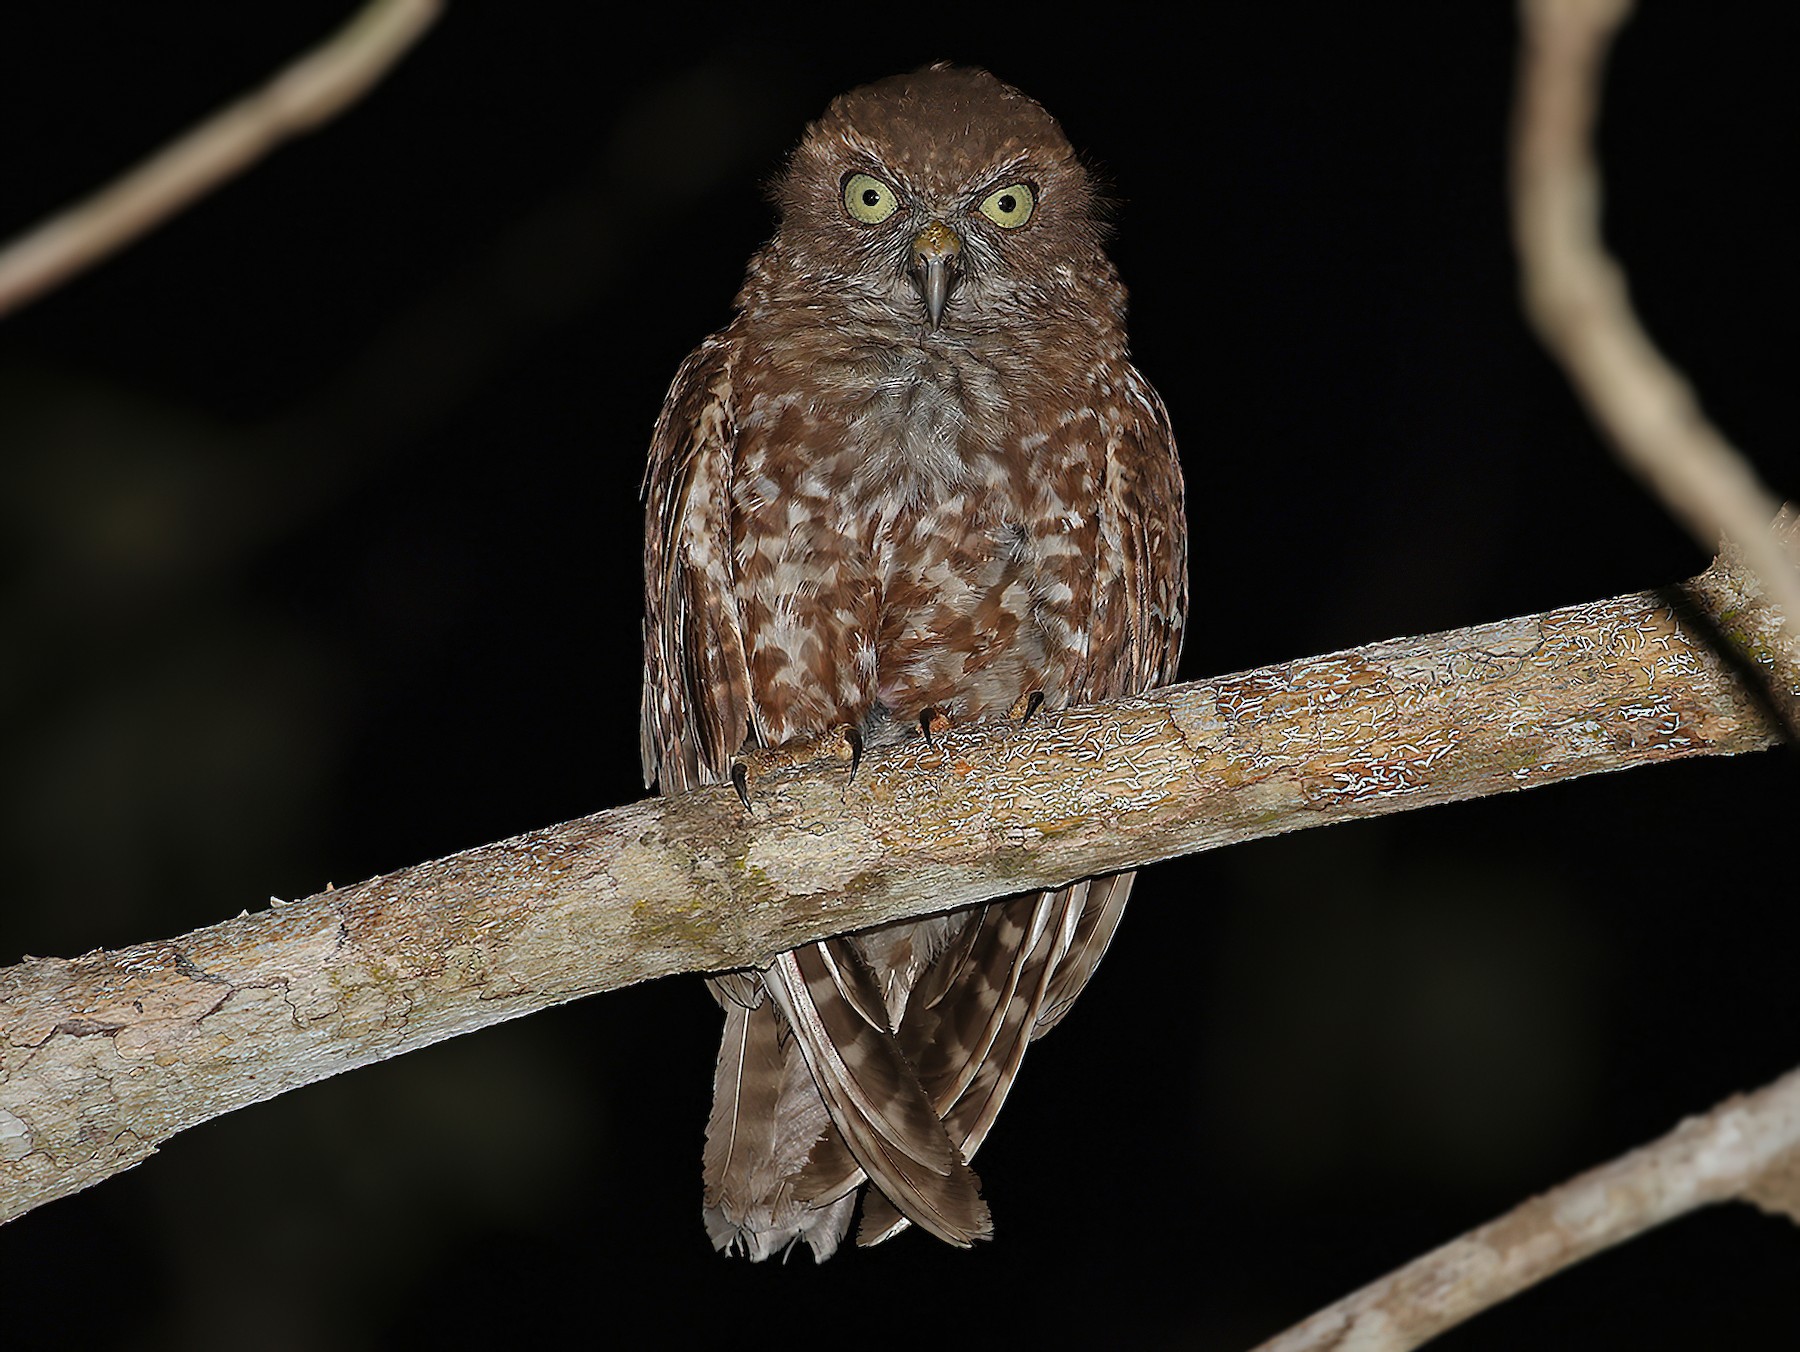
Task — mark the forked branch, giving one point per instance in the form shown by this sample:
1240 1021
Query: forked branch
1575 293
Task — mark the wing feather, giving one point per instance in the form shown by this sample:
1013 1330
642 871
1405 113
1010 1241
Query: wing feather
1140 590
1011 970
1100 913
697 705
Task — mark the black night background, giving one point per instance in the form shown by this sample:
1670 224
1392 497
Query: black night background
319 557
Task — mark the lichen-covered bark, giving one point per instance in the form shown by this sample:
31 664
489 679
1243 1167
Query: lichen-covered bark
106 1055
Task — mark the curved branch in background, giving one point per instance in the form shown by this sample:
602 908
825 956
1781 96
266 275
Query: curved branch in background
311 91
104 1057
1575 294
1748 1149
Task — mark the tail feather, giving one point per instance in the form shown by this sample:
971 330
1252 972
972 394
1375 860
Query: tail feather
873 1094
831 1170
1013 974
1093 935
815 1095
740 1133
765 1116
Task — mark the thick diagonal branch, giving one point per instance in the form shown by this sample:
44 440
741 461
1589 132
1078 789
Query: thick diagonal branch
104 1056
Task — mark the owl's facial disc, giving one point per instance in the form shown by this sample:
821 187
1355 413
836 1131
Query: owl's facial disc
936 255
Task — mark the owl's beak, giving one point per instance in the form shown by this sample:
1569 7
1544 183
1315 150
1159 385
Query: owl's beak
934 261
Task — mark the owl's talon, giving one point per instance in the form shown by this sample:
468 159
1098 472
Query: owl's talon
740 780
854 740
933 719
1027 705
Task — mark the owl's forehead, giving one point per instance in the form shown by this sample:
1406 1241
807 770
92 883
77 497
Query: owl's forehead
942 130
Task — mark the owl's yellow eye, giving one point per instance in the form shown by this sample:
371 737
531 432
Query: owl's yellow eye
1010 207
868 199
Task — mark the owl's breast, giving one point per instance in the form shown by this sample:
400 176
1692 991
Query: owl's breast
908 412
960 624
920 418
909 541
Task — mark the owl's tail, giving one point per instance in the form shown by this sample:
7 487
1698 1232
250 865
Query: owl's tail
765 1117
814 1068
814 1094
882 1113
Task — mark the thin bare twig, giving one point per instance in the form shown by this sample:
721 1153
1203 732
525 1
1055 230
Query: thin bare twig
1747 1148
1575 294
311 91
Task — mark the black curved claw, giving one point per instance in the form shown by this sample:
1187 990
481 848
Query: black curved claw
854 737
740 780
933 718
1033 702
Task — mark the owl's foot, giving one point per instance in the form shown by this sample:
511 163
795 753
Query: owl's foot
933 720
1025 706
843 743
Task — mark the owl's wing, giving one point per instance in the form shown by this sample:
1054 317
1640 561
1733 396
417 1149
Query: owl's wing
1140 611
696 713
697 699
969 1047
886 1122
1140 586
967 1030
1017 970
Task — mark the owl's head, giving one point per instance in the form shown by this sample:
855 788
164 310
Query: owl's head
944 198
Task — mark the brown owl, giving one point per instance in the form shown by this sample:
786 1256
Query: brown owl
916 479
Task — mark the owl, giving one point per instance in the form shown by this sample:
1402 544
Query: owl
915 482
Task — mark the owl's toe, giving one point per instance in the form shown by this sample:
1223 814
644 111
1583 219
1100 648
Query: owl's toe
933 720
853 739
1025 706
740 780
844 743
